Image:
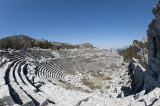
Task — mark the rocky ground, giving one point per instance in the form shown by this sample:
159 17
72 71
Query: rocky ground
76 77
85 73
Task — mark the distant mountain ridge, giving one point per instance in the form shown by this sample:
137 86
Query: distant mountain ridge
120 49
23 42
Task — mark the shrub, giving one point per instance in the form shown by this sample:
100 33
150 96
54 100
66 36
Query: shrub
131 52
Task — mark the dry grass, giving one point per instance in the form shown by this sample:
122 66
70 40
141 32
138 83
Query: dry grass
87 60
107 86
129 81
71 87
107 78
92 85
114 66
120 82
97 73
96 79
72 72
101 91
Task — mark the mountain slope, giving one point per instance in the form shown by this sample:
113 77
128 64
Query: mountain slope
23 42
138 50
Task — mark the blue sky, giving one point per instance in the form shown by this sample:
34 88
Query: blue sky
103 23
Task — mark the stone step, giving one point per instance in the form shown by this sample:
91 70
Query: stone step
3 73
18 95
48 91
5 97
35 96
57 70
51 71
42 74
57 64
31 90
22 78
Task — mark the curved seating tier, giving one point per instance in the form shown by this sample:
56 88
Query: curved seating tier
17 78
15 87
47 71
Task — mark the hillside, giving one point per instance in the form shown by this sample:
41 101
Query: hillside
23 42
137 50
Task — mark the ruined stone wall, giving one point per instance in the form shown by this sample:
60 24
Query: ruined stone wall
150 77
152 74
154 40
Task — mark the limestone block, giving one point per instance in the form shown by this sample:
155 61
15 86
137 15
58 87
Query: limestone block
153 95
152 44
152 23
37 85
151 53
149 64
157 61
3 60
159 78
148 70
158 54
150 82
154 10
157 19
140 94
16 105
155 68
157 103
138 73
2 82
138 104
5 98
149 41
158 42
144 39
152 32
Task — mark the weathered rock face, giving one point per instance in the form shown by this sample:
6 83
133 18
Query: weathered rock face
137 72
141 50
144 39
153 69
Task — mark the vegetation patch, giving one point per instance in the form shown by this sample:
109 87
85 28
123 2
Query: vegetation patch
141 45
87 60
92 85
107 78
130 53
96 79
68 86
114 66
24 42
97 73
107 86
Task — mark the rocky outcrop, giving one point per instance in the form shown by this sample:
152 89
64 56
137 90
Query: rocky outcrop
137 75
144 40
153 68
141 49
148 79
138 50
